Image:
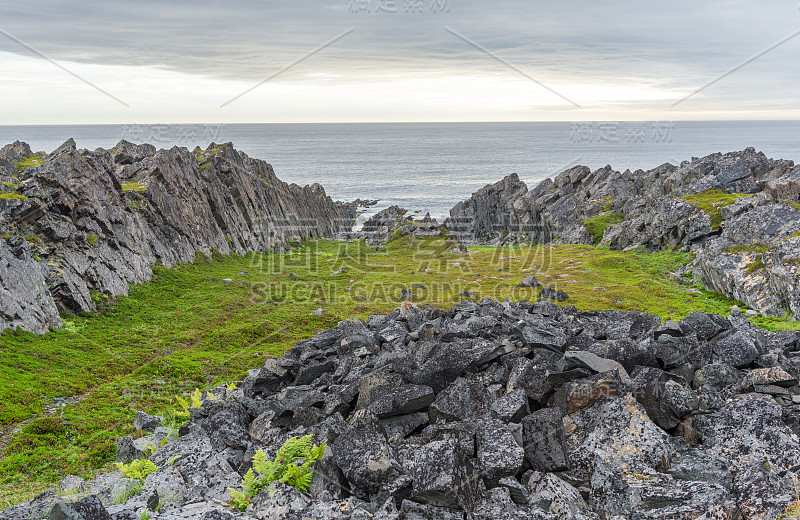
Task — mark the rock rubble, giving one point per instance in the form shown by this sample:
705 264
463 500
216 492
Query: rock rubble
542 411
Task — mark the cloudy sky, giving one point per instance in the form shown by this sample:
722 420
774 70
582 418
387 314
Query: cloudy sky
397 60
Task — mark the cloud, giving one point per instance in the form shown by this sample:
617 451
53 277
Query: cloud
646 51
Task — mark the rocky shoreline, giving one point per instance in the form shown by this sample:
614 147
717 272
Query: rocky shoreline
488 410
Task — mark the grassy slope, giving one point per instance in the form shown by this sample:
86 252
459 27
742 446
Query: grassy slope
187 329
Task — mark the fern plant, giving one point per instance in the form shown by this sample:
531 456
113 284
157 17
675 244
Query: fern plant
292 466
137 469
196 398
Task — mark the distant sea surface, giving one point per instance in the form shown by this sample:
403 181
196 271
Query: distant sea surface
432 166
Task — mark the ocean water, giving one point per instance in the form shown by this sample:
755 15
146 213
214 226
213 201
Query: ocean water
432 166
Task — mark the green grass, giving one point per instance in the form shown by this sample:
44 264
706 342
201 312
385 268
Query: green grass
134 186
92 239
752 248
12 196
755 265
597 224
30 161
186 329
711 201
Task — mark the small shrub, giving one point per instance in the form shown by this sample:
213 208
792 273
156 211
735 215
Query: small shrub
92 239
137 469
283 469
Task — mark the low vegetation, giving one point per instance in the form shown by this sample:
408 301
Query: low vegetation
12 196
188 329
137 469
711 201
752 248
134 186
292 465
30 161
597 225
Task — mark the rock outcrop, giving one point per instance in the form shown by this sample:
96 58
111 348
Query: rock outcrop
740 211
539 411
78 223
392 223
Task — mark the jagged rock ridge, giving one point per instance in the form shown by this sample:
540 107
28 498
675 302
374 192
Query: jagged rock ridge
747 244
84 222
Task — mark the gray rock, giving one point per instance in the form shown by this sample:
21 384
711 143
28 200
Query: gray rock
555 496
228 425
146 422
531 378
128 451
768 376
511 407
401 400
549 293
737 349
278 501
530 281
88 508
462 400
71 485
499 455
669 328
363 454
596 364
545 441
444 476
401 426
35 509
617 430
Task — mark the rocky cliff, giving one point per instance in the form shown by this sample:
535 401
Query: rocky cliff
739 211
78 223
486 411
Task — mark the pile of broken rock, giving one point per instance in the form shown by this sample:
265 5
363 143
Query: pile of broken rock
490 410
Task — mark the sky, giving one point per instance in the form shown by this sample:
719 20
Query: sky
264 61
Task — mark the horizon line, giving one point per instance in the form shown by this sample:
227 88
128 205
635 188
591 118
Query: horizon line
621 120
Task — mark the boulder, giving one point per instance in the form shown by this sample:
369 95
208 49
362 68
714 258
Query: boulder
545 441
499 455
464 399
444 476
363 454
401 400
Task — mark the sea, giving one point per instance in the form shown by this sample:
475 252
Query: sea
429 167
